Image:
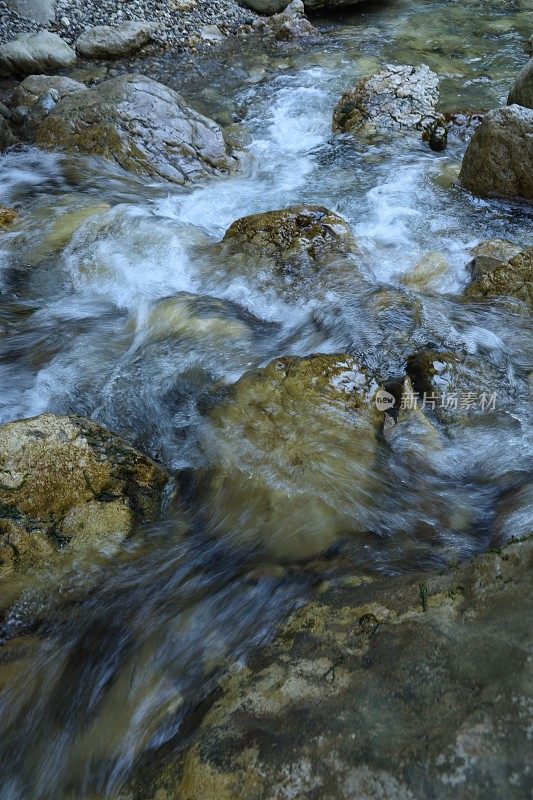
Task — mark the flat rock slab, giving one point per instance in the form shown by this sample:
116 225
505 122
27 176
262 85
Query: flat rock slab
34 54
380 689
114 41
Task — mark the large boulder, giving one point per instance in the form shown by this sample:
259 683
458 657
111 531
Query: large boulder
287 249
69 482
500 269
396 97
522 91
41 11
142 125
292 453
499 159
35 53
379 688
114 41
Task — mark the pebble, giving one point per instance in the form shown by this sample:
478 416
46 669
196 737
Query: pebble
179 20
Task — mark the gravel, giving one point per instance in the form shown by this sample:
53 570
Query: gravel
181 21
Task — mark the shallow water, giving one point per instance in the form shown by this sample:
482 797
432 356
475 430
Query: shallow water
126 647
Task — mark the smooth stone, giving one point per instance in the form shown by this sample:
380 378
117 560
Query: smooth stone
35 53
114 41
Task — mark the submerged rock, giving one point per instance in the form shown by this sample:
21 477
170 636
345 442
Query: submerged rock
286 249
142 125
34 53
398 96
292 453
500 269
115 41
7 217
522 91
499 159
67 481
367 692
456 386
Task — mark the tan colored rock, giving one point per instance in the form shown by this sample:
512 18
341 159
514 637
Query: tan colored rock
499 159
292 455
367 692
7 217
286 250
72 480
500 269
427 272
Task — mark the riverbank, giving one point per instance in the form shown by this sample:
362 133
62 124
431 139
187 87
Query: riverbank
179 22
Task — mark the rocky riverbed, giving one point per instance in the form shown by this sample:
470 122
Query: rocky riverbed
265 440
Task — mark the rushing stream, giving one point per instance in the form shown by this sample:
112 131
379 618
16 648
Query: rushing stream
124 649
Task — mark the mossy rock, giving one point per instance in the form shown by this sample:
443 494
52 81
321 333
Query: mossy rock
288 250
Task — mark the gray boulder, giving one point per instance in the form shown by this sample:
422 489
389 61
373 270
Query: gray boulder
396 97
35 53
114 41
142 125
41 11
28 92
522 91
499 159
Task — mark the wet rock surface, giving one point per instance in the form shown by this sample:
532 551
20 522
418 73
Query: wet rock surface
499 159
288 249
499 269
398 96
274 446
67 481
406 688
522 91
143 126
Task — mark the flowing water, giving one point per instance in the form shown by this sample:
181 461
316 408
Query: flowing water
118 652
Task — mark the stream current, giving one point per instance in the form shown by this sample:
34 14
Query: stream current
125 645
